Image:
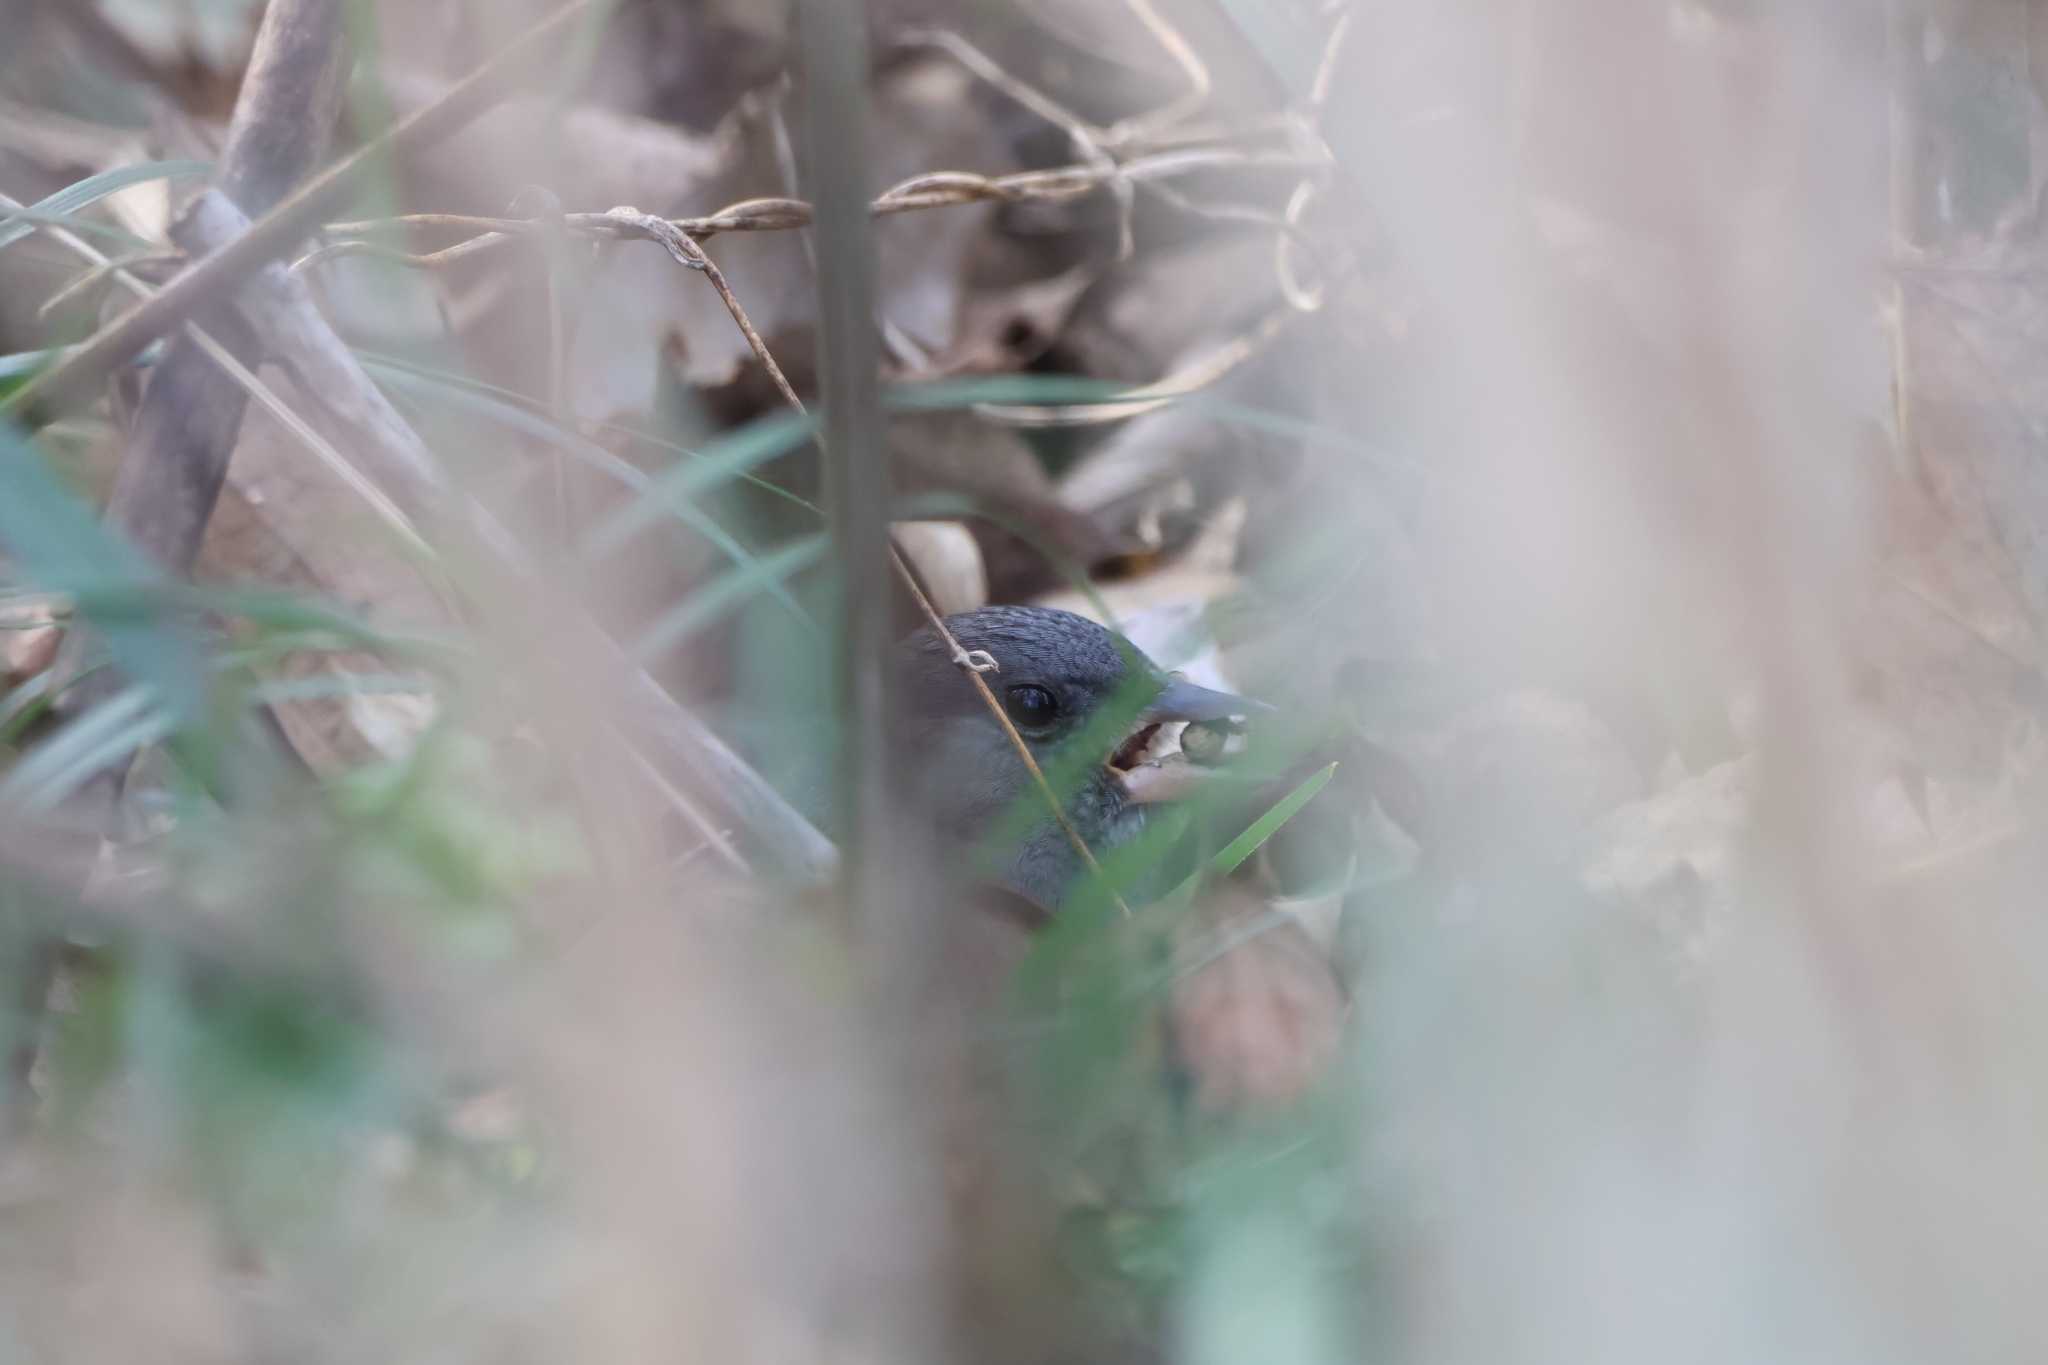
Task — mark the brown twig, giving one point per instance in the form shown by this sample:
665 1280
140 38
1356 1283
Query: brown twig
1306 298
100 273
1186 58
1087 139
936 189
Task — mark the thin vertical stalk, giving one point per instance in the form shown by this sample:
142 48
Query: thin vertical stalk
885 1144
832 43
1902 30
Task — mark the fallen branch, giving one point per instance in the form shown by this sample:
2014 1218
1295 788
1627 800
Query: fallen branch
298 336
185 428
122 274
81 374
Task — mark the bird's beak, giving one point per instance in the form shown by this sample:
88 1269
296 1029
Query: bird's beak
1149 775
1183 700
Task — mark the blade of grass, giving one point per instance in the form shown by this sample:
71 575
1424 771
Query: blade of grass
28 219
68 759
673 491
596 456
769 437
58 544
1232 854
23 364
20 707
61 206
270 610
723 594
1050 390
377 362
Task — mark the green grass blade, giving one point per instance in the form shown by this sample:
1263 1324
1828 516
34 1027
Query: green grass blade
65 761
24 221
25 365
760 441
1232 854
1050 390
307 622
720 596
516 418
380 363
674 491
58 544
20 707
59 207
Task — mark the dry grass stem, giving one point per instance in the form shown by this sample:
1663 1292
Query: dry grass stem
932 190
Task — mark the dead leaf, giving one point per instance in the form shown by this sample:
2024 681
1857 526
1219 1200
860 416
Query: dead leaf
947 562
1257 1017
283 522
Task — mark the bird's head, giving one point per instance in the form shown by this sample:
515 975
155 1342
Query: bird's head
1097 715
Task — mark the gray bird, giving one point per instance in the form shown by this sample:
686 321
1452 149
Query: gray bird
1059 677
1240 1028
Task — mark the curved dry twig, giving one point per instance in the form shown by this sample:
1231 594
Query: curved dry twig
1200 85
102 273
1088 140
934 189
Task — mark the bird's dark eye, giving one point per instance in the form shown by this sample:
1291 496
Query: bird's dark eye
1031 706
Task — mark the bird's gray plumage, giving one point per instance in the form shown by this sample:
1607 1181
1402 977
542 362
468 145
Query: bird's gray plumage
962 773
959 779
